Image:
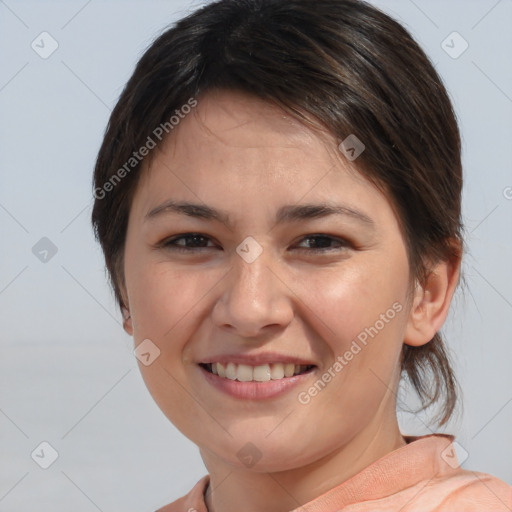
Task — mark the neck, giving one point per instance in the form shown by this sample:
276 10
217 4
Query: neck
233 490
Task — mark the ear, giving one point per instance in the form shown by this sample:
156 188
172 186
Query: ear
127 320
431 303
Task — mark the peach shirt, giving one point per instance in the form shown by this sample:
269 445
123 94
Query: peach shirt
422 476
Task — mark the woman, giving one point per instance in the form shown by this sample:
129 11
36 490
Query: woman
278 201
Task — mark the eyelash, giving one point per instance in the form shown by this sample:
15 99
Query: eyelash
170 244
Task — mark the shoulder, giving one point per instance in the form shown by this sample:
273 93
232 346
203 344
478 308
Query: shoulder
467 491
445 487
478 491
191 502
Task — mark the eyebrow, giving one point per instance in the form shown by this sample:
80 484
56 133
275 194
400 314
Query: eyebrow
285 214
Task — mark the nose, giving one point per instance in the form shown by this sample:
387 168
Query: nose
254 299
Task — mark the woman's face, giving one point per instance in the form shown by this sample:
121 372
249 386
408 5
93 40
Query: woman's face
288 261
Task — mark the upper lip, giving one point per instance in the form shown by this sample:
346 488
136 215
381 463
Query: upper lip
256 359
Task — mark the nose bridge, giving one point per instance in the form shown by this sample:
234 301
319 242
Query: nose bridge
250 286
250 276
253 297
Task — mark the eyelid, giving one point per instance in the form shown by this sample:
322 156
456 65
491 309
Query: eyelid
343 242
170 243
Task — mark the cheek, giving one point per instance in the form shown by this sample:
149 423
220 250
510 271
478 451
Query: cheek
348 301
165 305
161 298
360 315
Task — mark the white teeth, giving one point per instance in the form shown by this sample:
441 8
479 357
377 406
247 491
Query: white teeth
220 370
261 373
244 373
231 371
277 371
289 369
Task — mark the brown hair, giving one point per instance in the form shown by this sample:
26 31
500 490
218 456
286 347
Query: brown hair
341 62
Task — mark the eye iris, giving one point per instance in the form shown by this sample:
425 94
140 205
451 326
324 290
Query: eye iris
319 242
197 239
193 241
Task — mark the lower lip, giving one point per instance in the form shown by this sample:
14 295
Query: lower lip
254 390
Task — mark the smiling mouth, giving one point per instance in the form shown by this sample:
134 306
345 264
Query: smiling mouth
260 373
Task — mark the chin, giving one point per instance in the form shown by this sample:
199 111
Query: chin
260 454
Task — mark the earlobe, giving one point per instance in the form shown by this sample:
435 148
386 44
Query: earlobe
431 303
127 321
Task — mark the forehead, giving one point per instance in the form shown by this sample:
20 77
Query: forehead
232 143
229 124
230 128
234 114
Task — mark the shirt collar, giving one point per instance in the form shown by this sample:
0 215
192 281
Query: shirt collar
422 458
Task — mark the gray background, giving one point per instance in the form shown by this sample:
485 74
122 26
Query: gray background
67 372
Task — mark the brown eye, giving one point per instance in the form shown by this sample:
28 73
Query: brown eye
188 242
324 243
